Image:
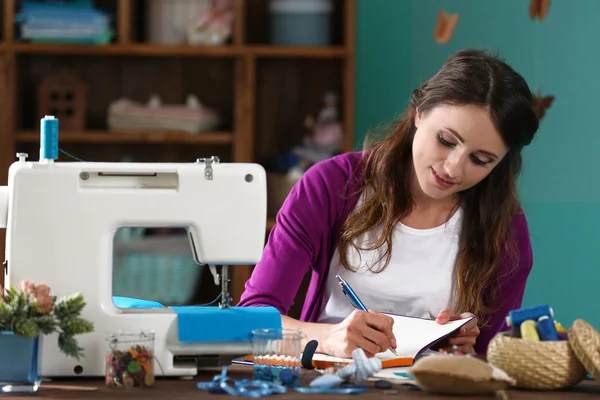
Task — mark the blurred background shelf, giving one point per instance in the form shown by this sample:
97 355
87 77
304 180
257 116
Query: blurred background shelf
132 137
183 50
262 90
126 49
297 52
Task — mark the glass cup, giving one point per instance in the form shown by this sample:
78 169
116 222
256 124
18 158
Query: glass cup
130 360
277 354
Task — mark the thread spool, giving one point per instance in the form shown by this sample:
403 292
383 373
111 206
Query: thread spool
516 317
529 330
515 332
48 138
546 329
559 327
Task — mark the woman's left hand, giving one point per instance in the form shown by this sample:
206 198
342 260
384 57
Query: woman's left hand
465 338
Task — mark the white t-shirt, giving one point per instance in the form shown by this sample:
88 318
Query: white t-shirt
417 281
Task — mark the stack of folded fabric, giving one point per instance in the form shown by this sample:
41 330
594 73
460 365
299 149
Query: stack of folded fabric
127 115
63 22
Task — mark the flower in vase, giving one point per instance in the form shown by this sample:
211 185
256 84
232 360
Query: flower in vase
31 310
43 299
27 287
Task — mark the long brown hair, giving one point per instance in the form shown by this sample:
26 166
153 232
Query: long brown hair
467 77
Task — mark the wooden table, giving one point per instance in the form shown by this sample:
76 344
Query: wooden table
173 389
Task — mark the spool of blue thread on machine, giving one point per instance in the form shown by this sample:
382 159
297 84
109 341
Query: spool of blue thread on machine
48 138
516 317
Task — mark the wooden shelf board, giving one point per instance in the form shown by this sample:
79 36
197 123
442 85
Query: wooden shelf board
34 48
132 137
293 51
183 50
118 49
176 50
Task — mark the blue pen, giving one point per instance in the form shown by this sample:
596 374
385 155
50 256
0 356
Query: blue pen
354 300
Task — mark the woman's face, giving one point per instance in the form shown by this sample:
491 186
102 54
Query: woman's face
455 147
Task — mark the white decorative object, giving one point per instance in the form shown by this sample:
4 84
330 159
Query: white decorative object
125 115
168 20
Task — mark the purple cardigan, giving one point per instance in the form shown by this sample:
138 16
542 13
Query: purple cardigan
306 233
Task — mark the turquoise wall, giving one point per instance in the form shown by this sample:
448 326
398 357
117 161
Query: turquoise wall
558 56
382 64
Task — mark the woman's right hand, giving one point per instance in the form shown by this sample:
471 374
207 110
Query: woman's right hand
371 331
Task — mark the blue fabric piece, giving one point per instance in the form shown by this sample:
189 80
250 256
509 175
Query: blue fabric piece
128 302
212 324
405 375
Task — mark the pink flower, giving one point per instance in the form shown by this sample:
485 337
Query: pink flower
42 291
44 304
27 287
43 299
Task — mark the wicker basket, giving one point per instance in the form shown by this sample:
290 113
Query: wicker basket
537 365
585 342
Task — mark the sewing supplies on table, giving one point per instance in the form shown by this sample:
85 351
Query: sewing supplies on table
223 384
535 323
276 355
454 352
361 369
516 317
334 382
355 300
546 329
69 213
130 361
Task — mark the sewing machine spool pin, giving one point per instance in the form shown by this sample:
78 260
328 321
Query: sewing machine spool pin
22 156
208 162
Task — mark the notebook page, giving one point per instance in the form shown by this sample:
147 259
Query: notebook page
412 336
415 334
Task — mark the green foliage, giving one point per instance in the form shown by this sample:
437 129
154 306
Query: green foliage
31 311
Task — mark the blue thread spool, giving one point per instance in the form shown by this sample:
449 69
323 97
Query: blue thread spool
516 317
546 329
48 138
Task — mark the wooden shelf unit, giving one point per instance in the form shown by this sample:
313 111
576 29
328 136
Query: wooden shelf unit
131 137
166 50
263 92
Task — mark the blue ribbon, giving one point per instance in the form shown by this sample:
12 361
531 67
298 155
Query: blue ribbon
245 387
332 390
223 384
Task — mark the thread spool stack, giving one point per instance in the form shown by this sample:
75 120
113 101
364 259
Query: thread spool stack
535 323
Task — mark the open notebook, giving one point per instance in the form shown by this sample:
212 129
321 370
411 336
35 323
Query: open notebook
414 336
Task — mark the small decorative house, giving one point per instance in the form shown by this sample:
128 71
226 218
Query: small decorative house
63 95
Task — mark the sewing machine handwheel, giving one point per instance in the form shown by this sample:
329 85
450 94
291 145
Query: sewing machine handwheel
308 353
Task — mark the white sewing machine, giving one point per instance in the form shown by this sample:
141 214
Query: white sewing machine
61 218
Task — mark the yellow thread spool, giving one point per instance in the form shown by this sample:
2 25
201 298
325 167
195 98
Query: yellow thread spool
529 330
559 327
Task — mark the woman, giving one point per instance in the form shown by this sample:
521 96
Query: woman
426 222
